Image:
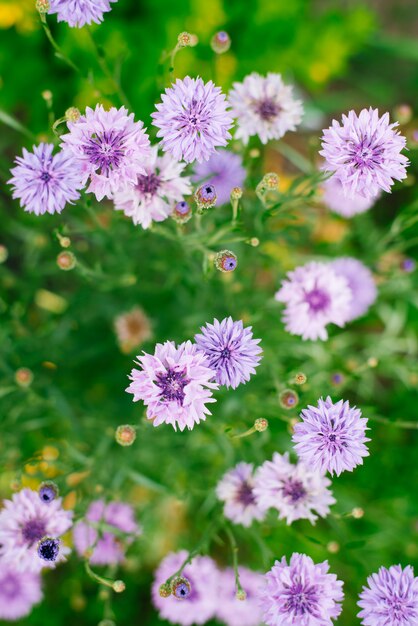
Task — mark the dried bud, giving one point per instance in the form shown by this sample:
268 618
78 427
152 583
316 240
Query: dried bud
118 586
225 261
42 6
184 39
66 261
65 242
182 212
254 241
165 590
181 588
72 114
48 491
4 253
205 197
48 548
241 595
300 378
261 424
357 513
23 376
236 193
288 399
125 435
220 42
271 181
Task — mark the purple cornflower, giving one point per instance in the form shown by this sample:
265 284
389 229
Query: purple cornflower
193 119
236 490
43 182
315 296
19 592
301 592
264 106
295 491
335 199
231 351
202 601
107 547
224 170
110 147
155 193
360 280
234 612
331 437
364 151
24 521
175 383
391 598
80 12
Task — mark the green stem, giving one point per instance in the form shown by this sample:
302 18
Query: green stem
99 579
59 53
234 549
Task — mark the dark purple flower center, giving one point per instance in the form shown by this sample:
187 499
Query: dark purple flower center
182 589
193 119
33 531
399 609
365 154
9 587
317 300
105 150
245 495
48 549
172 385
267 109
301 599
45 177
148 184
294 490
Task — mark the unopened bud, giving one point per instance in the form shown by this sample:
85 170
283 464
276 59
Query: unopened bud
225 261
48 491
205 197
181 588
182 212
72 114
4 253
372 362
42 6
407 265
254 241
333 547
236 193
300 378
220 42
288 399
118 586
261 424
403 113
23 376
184 39
66 261
241 595
165 590
125 435
357 513
271 181
337 378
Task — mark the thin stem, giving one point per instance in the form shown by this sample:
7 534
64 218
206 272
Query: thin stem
234 549
59 53
99 579
397 423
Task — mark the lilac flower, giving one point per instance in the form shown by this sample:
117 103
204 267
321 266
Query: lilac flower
107 548
231 351
365 153
45 183
224 170
111 148
295 491
155 193
80 12
236 490
391 598
175 384
193 119
234 612
19 592
335 199
331 437
360 280
301 592
24 521
264 106
315 296
201 604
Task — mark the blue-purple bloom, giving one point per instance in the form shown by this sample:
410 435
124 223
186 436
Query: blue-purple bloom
231 351
300 593
48 491
19 592
331 437
48 549
225 261
360 281
193 119
224 170
43 182
80 12
206 197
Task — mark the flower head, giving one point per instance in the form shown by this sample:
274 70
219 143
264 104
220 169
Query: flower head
264 106
153 196
48 491
193 119
110 147
182 212
225 261
364 151
175 383
236 490
80 12
24 521
301 592
132 329
335 199
331 437
220 42
19 592
391 598
43 182
231 351
315 296
224 170
295 491
360 280
232 611
48 549
205 197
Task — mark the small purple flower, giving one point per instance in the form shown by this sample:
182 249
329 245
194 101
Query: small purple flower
45 183
224 170
408 265
231 351
225 261
80 12
364 151
295 491
236 490
193 119
331 437
335 199
111 149
48 491
48 549
201 604
175 383
360 280
391 598
205 197
19 592
234 612
302 593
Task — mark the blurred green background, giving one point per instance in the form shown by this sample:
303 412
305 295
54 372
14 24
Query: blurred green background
340 55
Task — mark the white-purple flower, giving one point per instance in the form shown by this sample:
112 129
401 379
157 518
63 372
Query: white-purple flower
175 384
315 296
331 437
364 151
154 195
80 12
19 592
236 490
45 183
224 171
295 491
231 351
111 149
336 200
361 282
301 593
193 119
264 106
391 598
234 612
24 520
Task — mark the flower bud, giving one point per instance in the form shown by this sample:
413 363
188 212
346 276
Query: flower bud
125 435
357 513
42 6
118 586
225 261
333 547
337 378
300 378
408 265
48 548
403 113
185 39
165 590
66 261
72 114
182 212
271 181
205 197
372 362
220 42
65 242
4 253
180 588
23 376
241 595
236 193
254 241
288 399
261 424
48 491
